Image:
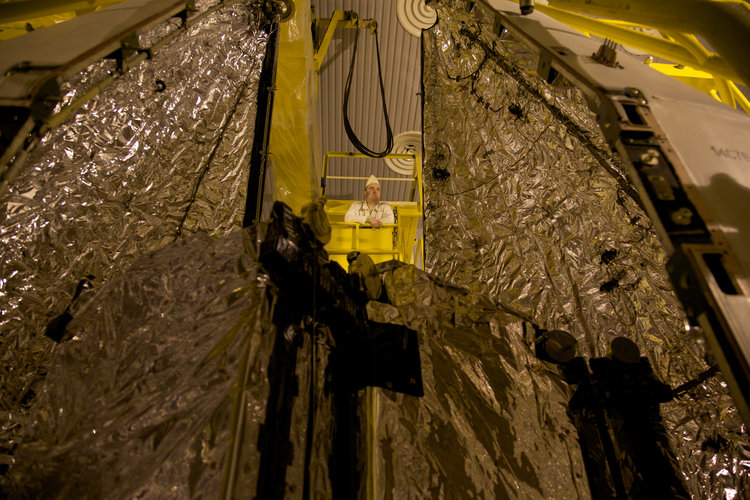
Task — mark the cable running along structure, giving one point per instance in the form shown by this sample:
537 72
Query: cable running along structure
347 89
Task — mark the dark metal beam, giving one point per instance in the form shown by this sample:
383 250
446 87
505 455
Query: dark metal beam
259 154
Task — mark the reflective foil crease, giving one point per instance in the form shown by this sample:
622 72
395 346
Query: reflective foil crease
524 203
163 152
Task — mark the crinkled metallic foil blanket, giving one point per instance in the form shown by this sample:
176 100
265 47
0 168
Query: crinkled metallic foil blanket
520 208
525 204
139 403
143 163
492 422
143 400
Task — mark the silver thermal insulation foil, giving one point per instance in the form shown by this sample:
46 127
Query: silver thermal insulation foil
144 398
184 377
163 152
492 422
165 386
524 203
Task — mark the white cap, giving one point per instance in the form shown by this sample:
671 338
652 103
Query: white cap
372 180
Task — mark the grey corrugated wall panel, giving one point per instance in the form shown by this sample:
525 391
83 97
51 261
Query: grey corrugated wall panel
400 60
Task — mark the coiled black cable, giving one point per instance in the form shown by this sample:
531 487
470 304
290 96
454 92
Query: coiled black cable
349 131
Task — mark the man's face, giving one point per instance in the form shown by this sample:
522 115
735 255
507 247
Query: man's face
372 193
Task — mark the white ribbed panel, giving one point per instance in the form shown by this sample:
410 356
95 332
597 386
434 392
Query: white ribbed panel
415 15
400 60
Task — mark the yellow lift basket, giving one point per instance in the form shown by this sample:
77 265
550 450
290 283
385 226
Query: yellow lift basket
403 241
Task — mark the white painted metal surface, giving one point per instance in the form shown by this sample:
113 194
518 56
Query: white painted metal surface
77 42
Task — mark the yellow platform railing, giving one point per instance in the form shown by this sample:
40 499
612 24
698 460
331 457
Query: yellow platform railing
401 241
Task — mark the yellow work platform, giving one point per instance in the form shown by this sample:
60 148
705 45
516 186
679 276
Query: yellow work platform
397 241
401 241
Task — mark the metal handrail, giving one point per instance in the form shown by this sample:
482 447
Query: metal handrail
417 189
415 179
362 225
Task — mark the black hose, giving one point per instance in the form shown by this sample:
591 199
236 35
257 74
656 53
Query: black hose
349 131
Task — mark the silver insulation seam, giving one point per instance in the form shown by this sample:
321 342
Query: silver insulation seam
136 167
521 208
138 403
492 422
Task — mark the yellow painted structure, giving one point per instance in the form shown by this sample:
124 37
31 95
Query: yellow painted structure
725 24
294 145
706 82
17 18
339 19
678 23
398 241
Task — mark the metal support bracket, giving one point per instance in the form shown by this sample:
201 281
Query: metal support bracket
324 29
